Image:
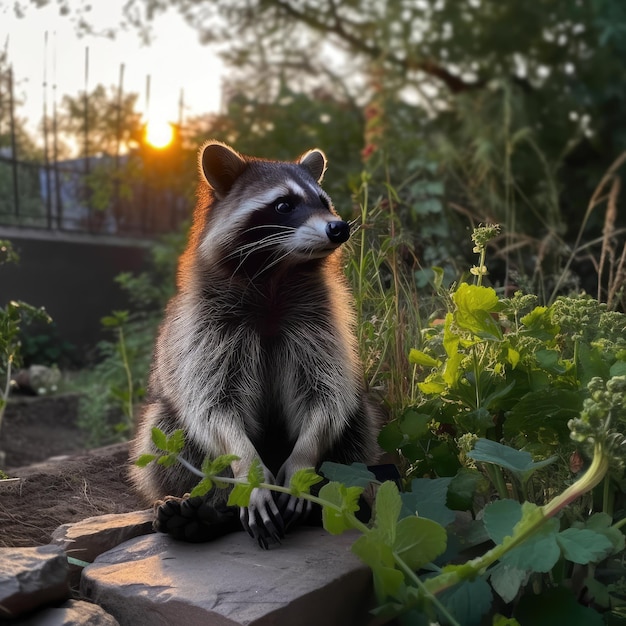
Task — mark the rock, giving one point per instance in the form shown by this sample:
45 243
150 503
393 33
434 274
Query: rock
71 613
91 537
38 379
31 577
311 579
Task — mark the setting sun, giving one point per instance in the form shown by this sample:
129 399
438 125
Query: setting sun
159 133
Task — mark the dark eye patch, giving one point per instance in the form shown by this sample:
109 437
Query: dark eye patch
324 201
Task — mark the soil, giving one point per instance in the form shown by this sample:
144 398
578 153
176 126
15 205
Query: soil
74 484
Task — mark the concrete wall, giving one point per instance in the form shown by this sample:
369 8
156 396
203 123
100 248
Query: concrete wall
72 277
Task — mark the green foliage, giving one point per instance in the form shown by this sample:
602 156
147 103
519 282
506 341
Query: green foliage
12 317
401 544
497 367
113 387
41 344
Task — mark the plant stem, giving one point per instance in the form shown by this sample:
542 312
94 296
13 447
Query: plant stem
129 376
592 477
495 474
415 579
7 388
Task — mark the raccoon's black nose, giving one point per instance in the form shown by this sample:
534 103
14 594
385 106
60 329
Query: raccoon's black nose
338 231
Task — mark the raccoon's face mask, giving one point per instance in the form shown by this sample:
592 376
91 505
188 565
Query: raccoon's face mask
270 212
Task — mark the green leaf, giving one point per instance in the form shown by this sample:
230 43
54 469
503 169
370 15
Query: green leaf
599 592
519 462
427 498
176 441
555 605
167 460
539 324
591 363
451 372
539 553
583 545
386 511
419 541
618 369
390 437
347 499
468 601
500 518
450 337
507 581
255 474
116 319
216 466
379 557
463 487
550 361
240 495
603 524
542 412
145 459
414 424
478 421
302 481
355 475
159 439
474 308
432 386
500 620
202 488
416 357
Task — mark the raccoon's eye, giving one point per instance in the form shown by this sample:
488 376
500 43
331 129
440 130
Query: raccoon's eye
283 205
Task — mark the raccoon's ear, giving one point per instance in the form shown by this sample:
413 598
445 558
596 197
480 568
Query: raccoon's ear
221 166
315 162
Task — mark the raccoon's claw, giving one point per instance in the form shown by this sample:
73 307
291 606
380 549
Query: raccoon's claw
294 509
262 520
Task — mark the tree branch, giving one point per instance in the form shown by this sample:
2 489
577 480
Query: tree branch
431 67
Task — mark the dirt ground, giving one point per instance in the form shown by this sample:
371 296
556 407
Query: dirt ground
76 483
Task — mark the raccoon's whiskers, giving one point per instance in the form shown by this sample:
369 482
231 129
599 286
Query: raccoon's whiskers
246 250
266 242
276 261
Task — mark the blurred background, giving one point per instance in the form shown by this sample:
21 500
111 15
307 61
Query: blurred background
436 116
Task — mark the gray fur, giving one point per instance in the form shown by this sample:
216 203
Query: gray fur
256 355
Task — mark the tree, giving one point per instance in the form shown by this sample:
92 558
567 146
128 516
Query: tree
100 122
13 133
518 103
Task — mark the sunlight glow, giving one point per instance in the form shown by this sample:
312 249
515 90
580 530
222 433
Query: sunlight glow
159 133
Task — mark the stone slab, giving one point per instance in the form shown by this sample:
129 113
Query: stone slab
70 613
87 539
31 577
311 579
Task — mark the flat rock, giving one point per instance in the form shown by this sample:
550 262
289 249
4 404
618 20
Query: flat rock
87 539
31 577
70 613
311 579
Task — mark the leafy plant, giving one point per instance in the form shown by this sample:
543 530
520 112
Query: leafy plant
408 547
112 388
12 316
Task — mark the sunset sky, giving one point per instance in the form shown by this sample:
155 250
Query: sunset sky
174 60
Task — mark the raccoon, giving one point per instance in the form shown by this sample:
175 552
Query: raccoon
256 355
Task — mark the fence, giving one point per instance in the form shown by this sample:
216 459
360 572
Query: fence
99 195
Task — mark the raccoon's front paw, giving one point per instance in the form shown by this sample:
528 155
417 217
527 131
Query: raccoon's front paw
195 520
262 519
292 509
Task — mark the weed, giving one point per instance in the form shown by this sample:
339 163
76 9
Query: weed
12 317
